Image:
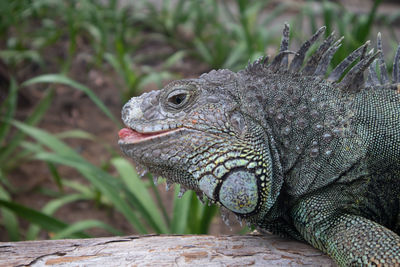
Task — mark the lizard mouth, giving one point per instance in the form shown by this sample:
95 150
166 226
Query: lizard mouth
128 136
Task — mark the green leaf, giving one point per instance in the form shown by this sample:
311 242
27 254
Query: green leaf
11 224
39 218
75 134
206 216
47 139
106 183
79 187
203 50
84 225
36 115
9 219
59 78
160 204
50 208
140 192
173 59
180 217
17 56
9 105
56 176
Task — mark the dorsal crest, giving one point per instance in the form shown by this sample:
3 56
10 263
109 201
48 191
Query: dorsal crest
318 63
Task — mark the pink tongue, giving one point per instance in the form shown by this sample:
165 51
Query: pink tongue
125 132
129 135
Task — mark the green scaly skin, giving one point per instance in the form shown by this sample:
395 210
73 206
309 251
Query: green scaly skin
284 148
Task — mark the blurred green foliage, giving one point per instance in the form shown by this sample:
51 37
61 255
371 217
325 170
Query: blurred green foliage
217 34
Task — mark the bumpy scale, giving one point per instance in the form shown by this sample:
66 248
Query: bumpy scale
284 148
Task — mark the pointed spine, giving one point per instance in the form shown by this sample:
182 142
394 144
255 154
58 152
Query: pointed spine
265 60
348 80
225 214
168 185
155 180
276 63
326 58
141 170
381 60
280 61
182 191
313 62
299 58
257 65
359 79
396 62
339 70
285 46
372 76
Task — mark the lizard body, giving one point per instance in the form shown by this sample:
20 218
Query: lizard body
284 148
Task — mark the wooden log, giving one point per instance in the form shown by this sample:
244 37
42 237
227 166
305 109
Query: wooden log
163 250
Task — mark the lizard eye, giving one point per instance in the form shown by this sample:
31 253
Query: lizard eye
177 99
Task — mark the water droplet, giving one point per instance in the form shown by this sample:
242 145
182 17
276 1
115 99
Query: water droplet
286 130
327 137
318 127
314 152
337 131
328 152
298 149
314 143
279 117
271 111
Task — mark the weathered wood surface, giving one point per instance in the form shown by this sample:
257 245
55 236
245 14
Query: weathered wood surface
163 250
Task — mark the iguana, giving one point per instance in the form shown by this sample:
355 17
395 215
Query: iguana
286 148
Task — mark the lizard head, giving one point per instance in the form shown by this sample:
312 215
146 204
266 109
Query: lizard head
195 132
